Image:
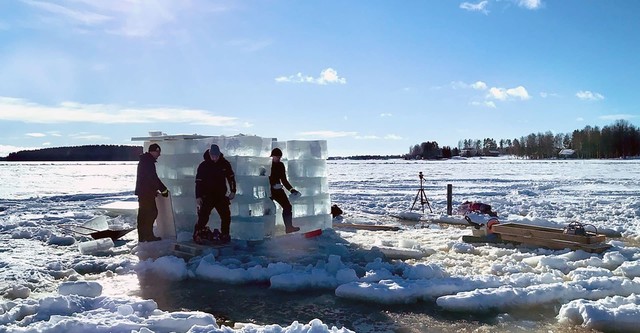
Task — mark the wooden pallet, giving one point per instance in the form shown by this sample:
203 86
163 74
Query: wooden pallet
191 249
553 238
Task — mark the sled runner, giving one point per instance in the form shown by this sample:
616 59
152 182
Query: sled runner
97 228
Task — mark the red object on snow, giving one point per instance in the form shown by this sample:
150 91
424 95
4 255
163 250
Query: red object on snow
313 233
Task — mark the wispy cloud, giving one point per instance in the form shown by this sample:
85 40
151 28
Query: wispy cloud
489 104
392 137
384 115
478 85
503 94
79 16
475 7
15 109
125 18
327 76
89 137
530 4
328 134
482 6
7 149
36 135
587 95
620 116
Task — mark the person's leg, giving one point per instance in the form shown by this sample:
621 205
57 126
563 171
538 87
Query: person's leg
222 206
203 215
147 213
280 197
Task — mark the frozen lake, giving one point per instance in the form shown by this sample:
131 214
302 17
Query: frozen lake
453 286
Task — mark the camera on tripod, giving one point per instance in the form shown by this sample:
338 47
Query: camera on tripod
421 195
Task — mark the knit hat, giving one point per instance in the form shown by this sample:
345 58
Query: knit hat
154 147
214 150
276 152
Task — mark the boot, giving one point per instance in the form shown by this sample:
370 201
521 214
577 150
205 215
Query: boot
288 223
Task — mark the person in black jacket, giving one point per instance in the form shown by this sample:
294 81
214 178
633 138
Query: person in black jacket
277 180
147 187
211 192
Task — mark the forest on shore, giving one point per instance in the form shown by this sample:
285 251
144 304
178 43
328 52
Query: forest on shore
78 153
618 140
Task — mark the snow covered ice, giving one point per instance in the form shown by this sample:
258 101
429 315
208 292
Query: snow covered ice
49 286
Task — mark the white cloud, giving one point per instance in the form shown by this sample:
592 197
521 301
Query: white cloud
327 76
36 135
392 137
580 119
489 104
503 94
383 115
545 94
328 134
89 137
479 85
587 95
477 7
15 109
366 137
6 150
621 116
46 143
530 4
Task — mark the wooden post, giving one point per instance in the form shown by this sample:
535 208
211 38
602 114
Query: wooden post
449 199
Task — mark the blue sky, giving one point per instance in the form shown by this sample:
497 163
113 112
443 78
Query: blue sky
370 77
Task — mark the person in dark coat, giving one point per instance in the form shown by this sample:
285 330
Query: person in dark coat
211 191
277 180
148 185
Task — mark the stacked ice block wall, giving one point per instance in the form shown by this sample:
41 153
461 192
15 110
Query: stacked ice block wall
253 215
306 164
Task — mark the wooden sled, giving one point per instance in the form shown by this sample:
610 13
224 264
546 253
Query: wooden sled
552 238
114 234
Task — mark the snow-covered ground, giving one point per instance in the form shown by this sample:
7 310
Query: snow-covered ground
48 285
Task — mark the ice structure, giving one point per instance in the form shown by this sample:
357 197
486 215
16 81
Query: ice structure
254 215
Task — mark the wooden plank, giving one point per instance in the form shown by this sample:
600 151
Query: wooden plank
528 231
557 244
365 227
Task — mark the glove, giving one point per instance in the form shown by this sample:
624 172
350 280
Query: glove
294 191
277 186
198 203
231 196
165 193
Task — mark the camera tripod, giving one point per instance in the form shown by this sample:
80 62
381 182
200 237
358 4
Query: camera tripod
421 195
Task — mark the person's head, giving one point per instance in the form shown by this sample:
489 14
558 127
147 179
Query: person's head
276 154
214 152
154 150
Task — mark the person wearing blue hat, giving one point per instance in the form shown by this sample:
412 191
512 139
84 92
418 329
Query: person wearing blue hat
277 180
211 192
148 185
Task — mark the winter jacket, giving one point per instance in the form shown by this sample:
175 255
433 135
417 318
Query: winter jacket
147 181
212 177
279 175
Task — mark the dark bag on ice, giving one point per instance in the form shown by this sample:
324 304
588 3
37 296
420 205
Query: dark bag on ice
335 210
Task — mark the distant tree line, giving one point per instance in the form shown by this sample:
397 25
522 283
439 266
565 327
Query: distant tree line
619 140
366 157
79 153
